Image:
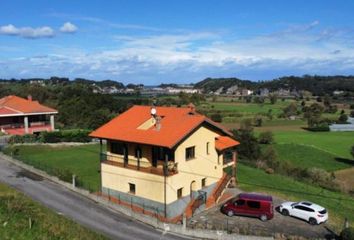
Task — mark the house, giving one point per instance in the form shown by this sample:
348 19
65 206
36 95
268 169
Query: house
20 116
167 159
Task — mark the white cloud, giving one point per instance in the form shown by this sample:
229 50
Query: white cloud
192 56
27 32
68 27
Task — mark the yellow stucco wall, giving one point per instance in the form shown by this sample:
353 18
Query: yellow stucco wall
147 185
151 186
202 166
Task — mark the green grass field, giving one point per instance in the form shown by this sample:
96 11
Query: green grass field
306 157
15 211
83 161
336 143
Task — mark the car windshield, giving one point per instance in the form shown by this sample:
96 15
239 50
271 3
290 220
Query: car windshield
293 204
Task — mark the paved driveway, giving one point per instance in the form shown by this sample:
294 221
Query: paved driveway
76 207
288 226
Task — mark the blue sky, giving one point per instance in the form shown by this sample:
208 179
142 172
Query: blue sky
154 42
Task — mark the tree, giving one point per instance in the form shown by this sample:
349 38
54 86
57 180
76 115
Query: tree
249 147
352 114
266 137
290 110
343 118
273 98
258 121
313 114
258 99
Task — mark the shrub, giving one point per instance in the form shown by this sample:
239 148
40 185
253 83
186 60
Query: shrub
347 234
216 117
27 138
75 135
343 118
266 137
352 114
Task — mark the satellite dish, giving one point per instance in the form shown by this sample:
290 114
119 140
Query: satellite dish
153 111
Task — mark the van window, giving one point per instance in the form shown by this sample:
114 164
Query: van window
239 202
253 204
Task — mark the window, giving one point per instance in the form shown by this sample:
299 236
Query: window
203 182
207 148
138 152
132 188
239 202
179 193
117 148
253 204
190 153
306 209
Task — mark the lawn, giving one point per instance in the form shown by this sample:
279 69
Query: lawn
16 210
336 143
340 205
307 156
83 161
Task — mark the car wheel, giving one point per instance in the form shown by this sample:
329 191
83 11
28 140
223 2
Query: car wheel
313 221
264 218
285 212
230 213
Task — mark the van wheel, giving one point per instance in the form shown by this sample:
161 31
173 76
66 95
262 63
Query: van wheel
230 213
264 218
313 221
285 212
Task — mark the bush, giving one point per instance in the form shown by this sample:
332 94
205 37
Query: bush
343 118
266 137
27 138
216 117
75 135
323 127
352 114
347 234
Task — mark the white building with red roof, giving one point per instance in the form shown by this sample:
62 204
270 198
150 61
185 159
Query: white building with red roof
19 116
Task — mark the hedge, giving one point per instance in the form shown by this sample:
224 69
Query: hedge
74 135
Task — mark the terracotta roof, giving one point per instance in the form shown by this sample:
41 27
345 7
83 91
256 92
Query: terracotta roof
225 142
20 105
176 124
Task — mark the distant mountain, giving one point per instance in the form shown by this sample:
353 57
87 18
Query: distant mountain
318 85
214 84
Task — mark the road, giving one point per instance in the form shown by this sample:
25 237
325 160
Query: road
76 207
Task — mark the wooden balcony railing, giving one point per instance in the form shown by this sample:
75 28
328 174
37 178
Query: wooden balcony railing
170 169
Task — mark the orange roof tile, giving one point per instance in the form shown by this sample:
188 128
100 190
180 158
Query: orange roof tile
176 124
225 142
20 105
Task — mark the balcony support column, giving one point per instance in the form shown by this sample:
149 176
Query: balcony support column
165 173
101 159
25 121
138 155
52 122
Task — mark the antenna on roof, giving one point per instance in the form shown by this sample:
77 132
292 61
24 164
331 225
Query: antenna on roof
157 119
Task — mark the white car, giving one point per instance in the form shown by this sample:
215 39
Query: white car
310 212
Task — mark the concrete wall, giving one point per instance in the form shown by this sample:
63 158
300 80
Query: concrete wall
173 209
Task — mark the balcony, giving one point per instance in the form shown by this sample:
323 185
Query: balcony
161 170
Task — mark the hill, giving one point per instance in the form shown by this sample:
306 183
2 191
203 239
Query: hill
318 85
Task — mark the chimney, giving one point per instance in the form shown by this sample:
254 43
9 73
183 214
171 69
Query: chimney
29 97
191 108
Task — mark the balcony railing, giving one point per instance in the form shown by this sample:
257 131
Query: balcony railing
143 166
